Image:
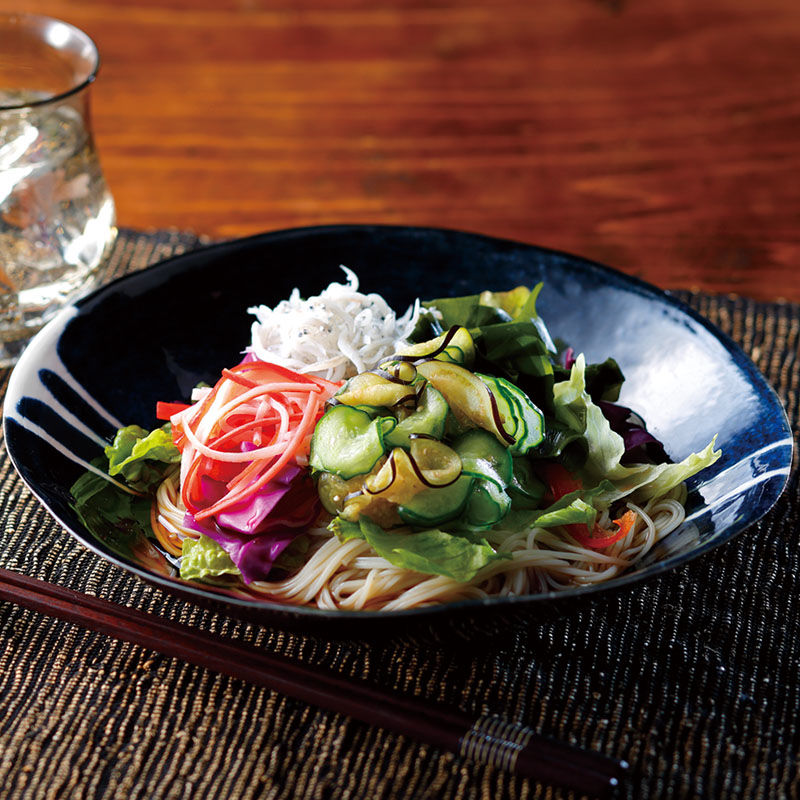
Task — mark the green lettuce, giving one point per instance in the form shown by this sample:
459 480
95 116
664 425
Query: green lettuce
575 507
576 511
433 552
203 558
116 517
575 409
142 457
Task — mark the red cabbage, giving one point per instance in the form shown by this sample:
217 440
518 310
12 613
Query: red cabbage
640 445
256 532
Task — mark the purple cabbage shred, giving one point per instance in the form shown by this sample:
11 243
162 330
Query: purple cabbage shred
257 531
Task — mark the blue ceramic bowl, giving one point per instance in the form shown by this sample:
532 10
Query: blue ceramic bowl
154 334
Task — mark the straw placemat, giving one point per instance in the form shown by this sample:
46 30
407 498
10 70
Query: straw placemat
694 678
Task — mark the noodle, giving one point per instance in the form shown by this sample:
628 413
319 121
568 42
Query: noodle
351 576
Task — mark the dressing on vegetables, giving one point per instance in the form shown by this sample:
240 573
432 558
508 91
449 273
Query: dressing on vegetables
358 460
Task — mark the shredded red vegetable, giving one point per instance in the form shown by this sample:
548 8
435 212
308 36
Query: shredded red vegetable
561 482
600 538
166 411
246 430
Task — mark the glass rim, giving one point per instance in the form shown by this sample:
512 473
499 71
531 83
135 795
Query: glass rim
80 34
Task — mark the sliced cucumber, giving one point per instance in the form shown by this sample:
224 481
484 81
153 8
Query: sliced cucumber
430 469
526 490
455 346
487 505
429 418
471 400
530 420
373 389
484 457
333 490
348 442
433 506
430 464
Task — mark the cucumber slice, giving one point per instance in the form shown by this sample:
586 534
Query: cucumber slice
348 442
429 418
484 457
526 490
530 420
431 466
372 389
432 507
455 346
333 490
471 400
487 505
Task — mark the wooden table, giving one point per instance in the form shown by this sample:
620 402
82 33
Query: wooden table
660 138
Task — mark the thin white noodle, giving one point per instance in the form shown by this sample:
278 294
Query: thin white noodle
351 575
170 507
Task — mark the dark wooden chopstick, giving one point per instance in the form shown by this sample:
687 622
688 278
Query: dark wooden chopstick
489 739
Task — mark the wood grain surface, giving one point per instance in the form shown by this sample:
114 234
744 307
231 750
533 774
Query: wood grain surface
661 138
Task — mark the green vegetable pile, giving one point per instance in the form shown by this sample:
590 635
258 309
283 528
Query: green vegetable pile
448 440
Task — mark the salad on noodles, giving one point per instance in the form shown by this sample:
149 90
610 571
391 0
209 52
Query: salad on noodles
357 459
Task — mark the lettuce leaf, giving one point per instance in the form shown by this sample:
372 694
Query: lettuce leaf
433 552
142 457
575 409
203 558
576 511
118 518
575 507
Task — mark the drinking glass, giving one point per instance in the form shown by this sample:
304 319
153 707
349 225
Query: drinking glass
57 217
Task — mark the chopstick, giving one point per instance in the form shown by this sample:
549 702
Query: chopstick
489 739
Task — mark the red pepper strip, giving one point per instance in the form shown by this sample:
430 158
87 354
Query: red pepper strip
561 482
331 387
601 538
251 383
241 422
166 410
222 471
264 422
191 484
265 372
242 380
203 465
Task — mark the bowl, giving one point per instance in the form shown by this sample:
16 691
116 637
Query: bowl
154 334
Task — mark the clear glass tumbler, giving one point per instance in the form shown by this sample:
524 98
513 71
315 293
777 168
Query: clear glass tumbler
57 217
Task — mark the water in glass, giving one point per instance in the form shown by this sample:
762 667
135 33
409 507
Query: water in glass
57 218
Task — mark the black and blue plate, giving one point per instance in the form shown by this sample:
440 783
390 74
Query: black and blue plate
155 334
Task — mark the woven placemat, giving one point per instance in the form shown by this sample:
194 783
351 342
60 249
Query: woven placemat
694 678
